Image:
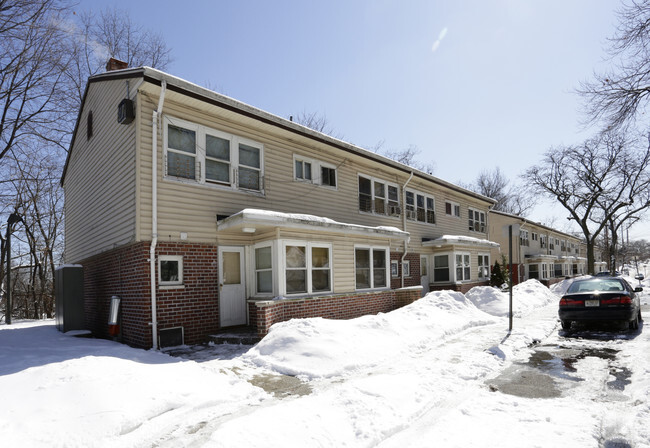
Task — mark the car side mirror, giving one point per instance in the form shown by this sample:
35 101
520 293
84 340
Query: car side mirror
638 289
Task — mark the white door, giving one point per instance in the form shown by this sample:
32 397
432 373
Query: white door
232 290
424 275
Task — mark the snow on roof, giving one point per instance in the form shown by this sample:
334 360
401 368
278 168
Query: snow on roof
459 239
252 216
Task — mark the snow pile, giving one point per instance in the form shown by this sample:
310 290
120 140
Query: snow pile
526 297
321 348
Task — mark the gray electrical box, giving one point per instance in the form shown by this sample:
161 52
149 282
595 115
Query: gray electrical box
69 299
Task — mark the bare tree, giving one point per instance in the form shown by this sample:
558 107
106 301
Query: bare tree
409 156
620 94
510 198
32 61
602 179
317 122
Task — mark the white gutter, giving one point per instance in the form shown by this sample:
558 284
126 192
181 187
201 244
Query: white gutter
154 214
406 241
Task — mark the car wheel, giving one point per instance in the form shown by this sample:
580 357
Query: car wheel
634 323
566 324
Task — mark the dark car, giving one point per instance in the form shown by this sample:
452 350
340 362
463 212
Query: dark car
600 299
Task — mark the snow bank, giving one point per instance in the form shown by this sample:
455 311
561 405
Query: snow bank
526 297
321 348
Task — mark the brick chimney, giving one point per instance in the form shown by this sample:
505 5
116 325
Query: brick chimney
116 64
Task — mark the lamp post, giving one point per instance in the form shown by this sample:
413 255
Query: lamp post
13 219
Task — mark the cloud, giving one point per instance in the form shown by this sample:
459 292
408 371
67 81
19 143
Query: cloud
441 36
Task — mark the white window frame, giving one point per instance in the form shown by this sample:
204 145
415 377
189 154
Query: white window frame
255 270
474 224
394 269
414 208
174 283
406 268
466 259
450 266
329 166
389 208
387 274
308 245
454 207
200 156
303 160
483 267
316 171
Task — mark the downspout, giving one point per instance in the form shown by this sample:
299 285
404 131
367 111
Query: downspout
154 213
406 240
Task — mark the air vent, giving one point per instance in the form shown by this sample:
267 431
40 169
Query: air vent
170 337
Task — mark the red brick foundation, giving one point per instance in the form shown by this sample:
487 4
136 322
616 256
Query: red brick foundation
125 272
265 313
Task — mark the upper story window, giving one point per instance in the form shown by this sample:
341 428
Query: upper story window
314 171
563 245
476 220
452 209
420 207
209 156
523 238
378 196
543 239
534 236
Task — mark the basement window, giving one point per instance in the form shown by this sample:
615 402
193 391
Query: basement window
170 270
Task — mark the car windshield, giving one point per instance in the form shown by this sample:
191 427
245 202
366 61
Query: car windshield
591 285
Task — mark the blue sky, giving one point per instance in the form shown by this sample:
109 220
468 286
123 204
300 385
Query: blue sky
473 84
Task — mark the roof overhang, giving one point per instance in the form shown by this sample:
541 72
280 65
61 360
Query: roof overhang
251 221
458 241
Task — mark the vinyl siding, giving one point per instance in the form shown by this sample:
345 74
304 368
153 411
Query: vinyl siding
192 208
100 182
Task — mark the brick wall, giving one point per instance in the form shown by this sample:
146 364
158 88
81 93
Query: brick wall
414 262
125 272
263 314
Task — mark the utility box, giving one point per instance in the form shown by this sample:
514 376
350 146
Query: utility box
69 300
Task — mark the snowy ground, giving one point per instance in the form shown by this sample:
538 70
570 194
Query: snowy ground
418 376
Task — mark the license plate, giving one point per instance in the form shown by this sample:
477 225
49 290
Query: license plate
592 302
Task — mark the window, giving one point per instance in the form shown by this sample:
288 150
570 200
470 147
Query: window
307 268
452 209
328 176
308 170
370 267
483 266
534 236
544 270
424 271
378 196
543 241
170 270
563 246
394 268
406 268
441 268
533 271
263 270
217 159
463 270
420 207
557 270
523 238
302 170
476 220
209 156
181 152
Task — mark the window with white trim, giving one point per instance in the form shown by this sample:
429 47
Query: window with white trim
476 220
394 268
307 268
420 207
371 266
314 171
523 238
378 196
534 236
441 268
208 156
544 270
483 266
463 269
543 241
533 271
452 209
406 268
264 270
170 270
